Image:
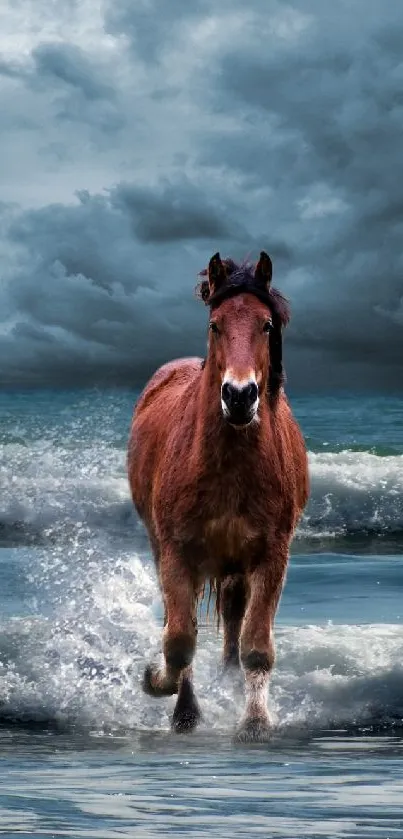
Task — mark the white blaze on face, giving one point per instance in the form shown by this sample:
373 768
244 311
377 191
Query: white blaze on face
240 384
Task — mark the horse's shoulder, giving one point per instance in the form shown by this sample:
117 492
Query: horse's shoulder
179 368
172 375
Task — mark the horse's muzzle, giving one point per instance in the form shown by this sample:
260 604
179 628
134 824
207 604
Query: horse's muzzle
239 404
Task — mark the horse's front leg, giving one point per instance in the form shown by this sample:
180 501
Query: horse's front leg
179 641
257 648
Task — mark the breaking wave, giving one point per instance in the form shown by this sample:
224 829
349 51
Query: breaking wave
354 494
51 492
81 665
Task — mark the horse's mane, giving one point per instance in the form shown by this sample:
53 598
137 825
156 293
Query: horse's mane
244 273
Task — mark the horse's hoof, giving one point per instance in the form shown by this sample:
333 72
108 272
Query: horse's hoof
183 722
185 719
254 730
155 685
187 712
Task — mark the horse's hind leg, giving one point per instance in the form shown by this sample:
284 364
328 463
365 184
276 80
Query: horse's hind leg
232 603
257 642
179 641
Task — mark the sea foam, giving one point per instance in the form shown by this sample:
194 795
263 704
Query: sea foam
82 664
50 491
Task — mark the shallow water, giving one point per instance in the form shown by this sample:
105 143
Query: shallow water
151 785
85 753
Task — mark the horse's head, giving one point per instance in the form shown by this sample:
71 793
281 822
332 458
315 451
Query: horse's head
246 317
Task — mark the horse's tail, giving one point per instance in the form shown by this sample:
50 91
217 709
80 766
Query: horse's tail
214 597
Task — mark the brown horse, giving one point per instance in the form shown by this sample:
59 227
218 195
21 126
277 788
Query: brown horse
218 473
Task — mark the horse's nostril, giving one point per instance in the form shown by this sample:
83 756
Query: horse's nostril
252 392
226 392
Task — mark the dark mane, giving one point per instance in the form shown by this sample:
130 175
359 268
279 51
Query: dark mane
244 274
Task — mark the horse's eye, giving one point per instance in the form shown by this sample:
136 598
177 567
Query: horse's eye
268 325
214 328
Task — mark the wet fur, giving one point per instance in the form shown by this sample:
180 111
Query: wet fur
198 501
220 506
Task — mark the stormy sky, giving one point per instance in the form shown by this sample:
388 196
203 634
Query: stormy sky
136 139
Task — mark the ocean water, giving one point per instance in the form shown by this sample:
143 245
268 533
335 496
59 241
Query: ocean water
84 753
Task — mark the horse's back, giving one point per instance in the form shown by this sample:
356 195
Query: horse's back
158 408
168 381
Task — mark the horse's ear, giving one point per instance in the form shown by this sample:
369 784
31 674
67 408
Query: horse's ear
217 274
264 271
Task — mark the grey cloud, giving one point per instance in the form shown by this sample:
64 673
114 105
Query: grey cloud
172 212
150 25
204 127
88 301
79 86
75 237
68 64
335 100
63 63
9 69
71 87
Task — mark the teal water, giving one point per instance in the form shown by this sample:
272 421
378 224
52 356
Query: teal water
83 753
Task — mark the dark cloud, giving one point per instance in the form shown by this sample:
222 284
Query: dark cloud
336 99
68 64
81 92
88 302
60 63
139 143
149 26
173 212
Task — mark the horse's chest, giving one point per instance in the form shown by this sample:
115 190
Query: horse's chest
228 536
230 519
